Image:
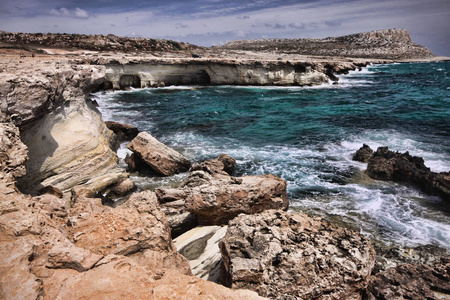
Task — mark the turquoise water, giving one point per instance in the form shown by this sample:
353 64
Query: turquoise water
308 135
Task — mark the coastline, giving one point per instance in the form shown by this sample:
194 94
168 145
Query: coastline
61 84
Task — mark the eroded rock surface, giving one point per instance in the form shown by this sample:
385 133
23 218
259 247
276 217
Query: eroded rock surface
403 167
290 256
159 157
412 281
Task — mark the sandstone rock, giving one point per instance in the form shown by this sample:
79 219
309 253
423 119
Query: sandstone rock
125 132
51 205
200 246
222 198
364 154
292 256
51 190
70 257
389 165
123 188
158 157
411 281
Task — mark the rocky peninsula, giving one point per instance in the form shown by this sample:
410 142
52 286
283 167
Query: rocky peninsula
58 239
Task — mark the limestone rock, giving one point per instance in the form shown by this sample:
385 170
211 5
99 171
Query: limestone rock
200 246
293 256
389 165
71 257
411 281
364 154
224 197
157 156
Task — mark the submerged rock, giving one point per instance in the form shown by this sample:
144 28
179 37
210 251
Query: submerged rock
293 256
157 156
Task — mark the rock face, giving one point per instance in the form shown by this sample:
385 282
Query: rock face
387 44
160 158
213 71
292 256
67 141
389 165
411 281
13 153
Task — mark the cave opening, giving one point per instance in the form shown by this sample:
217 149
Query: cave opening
127 81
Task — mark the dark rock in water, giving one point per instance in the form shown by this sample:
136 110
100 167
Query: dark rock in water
157 156
125 132
51 190
364 154
402 167
412 281
293 256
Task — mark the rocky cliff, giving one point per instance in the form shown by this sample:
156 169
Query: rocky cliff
67 141
383 44
100 42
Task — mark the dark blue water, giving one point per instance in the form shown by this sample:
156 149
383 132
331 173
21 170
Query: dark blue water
308 135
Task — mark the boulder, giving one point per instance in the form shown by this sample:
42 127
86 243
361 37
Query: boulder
389 165
293 256
411 281
124 132
217 201
159 157
200 246
364 154
123 188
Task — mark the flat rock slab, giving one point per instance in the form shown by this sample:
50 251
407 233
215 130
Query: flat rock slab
157 156
293 256
200 246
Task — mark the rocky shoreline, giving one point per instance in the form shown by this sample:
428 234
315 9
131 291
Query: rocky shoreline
59 241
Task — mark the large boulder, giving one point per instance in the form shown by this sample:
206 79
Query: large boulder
222 197
293 256
389 165
215 197
411 281
364 154
157 156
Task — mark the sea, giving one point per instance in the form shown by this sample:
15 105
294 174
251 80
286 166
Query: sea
308 135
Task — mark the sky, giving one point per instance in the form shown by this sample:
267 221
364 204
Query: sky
214 22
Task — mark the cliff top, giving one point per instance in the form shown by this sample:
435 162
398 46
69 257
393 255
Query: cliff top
99 42
382 44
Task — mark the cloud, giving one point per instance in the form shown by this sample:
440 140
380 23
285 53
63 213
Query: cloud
64 12
275 26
